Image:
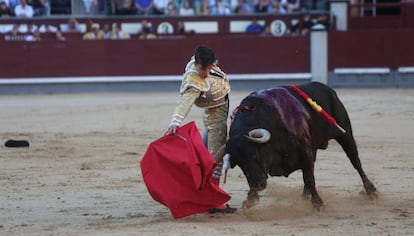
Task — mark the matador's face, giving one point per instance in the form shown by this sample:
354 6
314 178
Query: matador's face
203 71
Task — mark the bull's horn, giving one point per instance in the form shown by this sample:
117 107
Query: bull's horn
258 135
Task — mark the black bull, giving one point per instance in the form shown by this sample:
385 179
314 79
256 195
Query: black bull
276 132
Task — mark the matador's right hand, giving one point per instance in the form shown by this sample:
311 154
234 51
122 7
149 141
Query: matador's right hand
172 129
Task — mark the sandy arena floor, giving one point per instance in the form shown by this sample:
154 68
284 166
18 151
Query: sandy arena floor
81 175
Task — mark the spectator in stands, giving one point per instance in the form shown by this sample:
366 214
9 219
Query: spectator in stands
92 33
30 27
127 8
60 7
72 26
5 11
266 32
323 20
107 31
118 33
255 27
291 5
90 6
11 4
14 30
146 32
35 36
242 7
23 10
294 27
204 9
182 30
277 8
158 7
262 6
143 6
220 8
187 10
59 35
40 7
307 24
172 9
47 28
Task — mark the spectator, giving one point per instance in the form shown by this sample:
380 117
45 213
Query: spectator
146 31
323 20
291 5
60 7
242 7
277 8
40 7
90 6
254 27
266 32
204 8
186 10
14 30
72 26
143 6
48 28
30 27
182 30
127 8
262 6
93 32
23 10
158 7
5 11
119 34
219 8
107 31
171 9
11 4
35 36
59 35
307 24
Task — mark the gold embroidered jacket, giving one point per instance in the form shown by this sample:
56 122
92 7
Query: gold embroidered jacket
204 93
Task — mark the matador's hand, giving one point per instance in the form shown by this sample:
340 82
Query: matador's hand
172 129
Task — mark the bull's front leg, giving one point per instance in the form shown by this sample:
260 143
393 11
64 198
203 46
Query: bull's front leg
252 198
310 187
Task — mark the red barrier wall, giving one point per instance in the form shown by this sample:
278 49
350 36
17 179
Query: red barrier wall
371 48
238 54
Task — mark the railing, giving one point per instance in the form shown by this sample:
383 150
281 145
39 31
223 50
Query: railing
381 15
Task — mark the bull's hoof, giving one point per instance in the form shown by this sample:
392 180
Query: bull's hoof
370 195
317 203
306 194
370 188
250 203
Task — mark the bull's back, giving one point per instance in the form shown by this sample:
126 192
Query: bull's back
321 130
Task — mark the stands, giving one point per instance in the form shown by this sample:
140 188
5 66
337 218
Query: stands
369 57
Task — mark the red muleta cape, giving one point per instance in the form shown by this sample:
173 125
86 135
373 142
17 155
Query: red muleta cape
177 170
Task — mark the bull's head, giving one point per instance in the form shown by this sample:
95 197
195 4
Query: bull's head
245 152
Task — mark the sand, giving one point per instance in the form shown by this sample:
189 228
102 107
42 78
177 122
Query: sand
81 176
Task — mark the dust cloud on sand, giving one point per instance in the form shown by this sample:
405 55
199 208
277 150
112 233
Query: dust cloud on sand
81 176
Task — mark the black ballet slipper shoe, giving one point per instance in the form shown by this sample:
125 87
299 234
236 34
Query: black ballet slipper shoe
16 143
227 210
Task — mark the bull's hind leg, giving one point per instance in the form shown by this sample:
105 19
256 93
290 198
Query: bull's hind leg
349 146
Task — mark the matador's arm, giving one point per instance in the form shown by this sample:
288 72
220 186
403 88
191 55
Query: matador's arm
184 106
